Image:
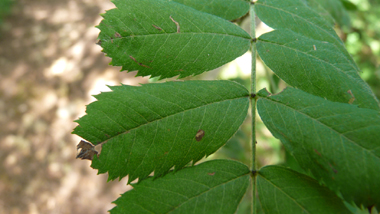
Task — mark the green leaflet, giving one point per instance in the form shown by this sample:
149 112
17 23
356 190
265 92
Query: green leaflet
337 10
331 10
215 186
154 127
297 16
165 38
227 9
317 67
321 11
338 143
349 5
282 190
306 53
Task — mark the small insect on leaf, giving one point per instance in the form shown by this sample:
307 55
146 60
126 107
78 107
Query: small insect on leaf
199 135
87 150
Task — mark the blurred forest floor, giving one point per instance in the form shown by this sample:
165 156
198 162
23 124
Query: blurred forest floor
50 67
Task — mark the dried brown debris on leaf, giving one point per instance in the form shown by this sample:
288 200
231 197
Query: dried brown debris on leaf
87 150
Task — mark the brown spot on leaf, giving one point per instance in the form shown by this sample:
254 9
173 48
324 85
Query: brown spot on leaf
158 28
139 62
333 169
87 150
211 173
314 47
117 35
316 151
199 135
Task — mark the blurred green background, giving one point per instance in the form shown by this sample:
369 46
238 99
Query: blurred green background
5 8
50 67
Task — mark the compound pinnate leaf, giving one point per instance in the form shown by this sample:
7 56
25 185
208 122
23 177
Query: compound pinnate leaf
154 127
282 190
227 9
338 143
215 186
306 53
165 38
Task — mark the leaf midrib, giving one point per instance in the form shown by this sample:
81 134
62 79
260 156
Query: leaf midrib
174 33
318 59
302 18
285 193
169 115
210 189
187 198
308 116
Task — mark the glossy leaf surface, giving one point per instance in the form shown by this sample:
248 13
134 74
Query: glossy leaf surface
165 38
154 127
227 9
338 143
284 191
215 186
337 10
306 53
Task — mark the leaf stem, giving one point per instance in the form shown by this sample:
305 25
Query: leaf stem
253 103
